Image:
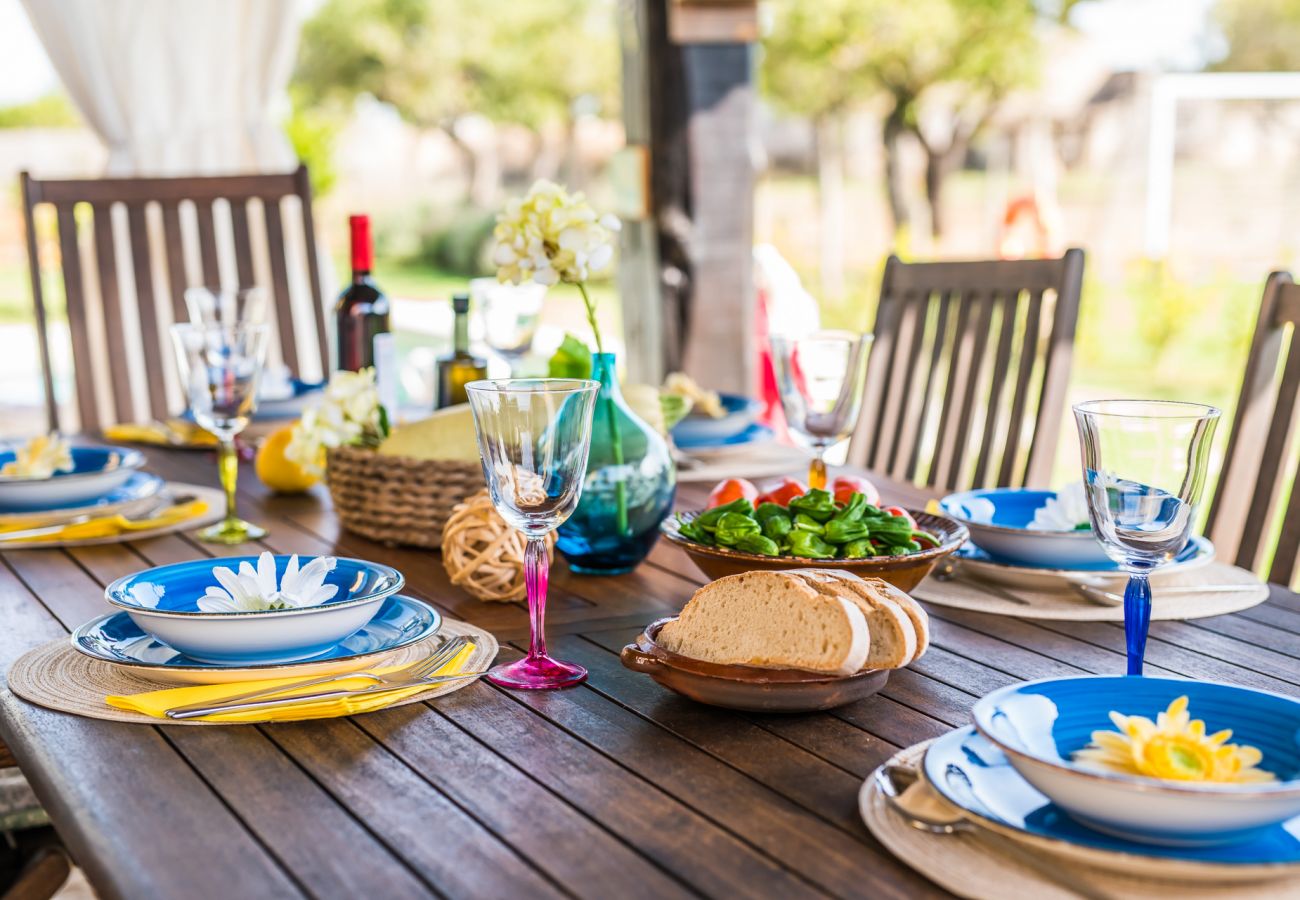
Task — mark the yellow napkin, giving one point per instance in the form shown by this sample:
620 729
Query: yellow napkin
156 703
107 526
172 433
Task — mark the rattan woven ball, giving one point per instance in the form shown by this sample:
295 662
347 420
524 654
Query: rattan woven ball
483 554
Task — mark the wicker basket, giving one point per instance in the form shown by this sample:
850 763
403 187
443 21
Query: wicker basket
398 499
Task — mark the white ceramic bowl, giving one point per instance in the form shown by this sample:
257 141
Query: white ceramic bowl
245 638
1039 725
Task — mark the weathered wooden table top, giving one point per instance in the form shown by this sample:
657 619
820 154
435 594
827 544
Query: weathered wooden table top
617 788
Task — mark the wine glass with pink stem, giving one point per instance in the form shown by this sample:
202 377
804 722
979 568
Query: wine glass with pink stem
534 435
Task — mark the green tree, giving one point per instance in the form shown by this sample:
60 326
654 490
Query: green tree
939 67
1261 35
437 61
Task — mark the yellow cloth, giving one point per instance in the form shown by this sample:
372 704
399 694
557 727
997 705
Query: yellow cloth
106 526
172 433
156 703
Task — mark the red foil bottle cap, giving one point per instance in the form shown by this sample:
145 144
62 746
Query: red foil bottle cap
362 251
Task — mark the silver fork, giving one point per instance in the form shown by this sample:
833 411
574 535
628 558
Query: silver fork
414 672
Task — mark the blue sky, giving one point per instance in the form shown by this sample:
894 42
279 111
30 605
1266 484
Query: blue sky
1133 34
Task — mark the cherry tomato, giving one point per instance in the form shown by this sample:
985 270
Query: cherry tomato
845 486
899 511
731 490
782 494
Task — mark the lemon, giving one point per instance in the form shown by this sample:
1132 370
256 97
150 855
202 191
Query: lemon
277 471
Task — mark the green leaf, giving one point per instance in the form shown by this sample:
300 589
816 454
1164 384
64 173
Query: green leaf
572 359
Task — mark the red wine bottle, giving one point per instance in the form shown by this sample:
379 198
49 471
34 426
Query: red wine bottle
362 309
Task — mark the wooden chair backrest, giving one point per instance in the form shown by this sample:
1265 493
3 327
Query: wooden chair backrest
158 274
1257 470
966 384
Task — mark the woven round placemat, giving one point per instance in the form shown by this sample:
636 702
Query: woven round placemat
214 498
56 676
971 865
968 592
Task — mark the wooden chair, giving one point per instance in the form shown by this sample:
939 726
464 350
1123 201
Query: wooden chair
1244 515
170 230
967 377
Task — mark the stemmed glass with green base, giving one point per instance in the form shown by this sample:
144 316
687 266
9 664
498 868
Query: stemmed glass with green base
220 365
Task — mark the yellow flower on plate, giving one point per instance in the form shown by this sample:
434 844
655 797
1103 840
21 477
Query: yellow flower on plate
40 457
1174 747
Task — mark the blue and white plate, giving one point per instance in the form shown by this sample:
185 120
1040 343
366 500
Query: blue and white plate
999 520
114 638
754 434
1198 553
697 428
994 795
138 487
164 602
97 471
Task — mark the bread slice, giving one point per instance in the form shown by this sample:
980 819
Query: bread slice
772 620
899 627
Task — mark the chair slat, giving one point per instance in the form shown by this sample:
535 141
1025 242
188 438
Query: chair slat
303 183
174 241
1272 460
910 422
38 301
1020 397
931 378
897 384
111 304
973 376
208 243
243 243
1282 571
997 383
963 340
1056 372
280 281
83 362
148 308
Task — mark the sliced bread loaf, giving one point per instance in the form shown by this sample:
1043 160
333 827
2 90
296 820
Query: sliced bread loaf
892 615
773 620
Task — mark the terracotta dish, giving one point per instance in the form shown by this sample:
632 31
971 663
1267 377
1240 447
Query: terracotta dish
746 687
904 572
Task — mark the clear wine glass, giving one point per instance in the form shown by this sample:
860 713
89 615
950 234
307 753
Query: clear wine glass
820 378
511 314
219 367
217 306
1144 464
534 435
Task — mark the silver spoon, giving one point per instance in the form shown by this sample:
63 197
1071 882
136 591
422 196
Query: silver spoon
892 780
1098 594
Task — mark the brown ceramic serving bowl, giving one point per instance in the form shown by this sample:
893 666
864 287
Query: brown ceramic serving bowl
904 572
749 688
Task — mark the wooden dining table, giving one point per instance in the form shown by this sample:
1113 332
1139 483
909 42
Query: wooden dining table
617 788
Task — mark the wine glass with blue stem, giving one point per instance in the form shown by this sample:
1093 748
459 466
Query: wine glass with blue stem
1144 468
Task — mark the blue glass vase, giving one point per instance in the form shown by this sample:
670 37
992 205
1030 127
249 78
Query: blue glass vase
628 490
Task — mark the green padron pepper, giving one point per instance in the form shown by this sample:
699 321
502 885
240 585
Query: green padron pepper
805 522
809 546
777 527
732 527
841 532
859 549
690 529
766 510
708 520
891 529
816 504
853 510
756 543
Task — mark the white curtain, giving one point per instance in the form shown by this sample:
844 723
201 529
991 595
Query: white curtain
177 87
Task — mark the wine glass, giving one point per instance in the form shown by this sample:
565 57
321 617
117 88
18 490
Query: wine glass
533 436
220 366
216 306
1144 464
820 377
511 314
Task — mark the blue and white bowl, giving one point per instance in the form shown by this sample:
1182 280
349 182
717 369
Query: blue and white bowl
699 430
999 518
1039 725
164 603
96 471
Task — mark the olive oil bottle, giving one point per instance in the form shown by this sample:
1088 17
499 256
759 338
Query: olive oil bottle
459 367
